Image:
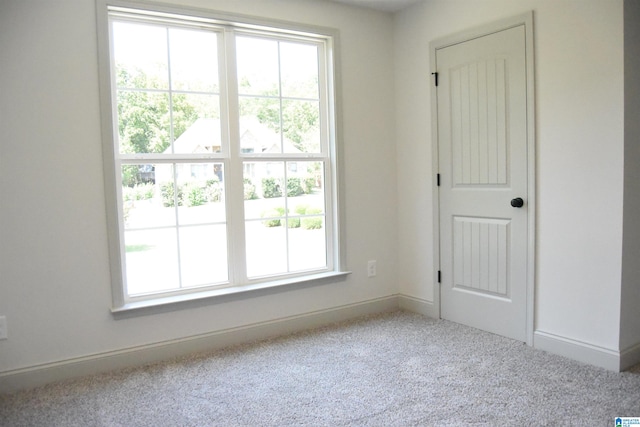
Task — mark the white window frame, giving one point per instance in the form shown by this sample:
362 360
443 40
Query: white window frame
227 27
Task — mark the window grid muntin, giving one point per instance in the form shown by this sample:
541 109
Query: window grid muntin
168 158
178 226
321 44
325 214
133 17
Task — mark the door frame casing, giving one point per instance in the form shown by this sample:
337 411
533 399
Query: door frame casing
525 19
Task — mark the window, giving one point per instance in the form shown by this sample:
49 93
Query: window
224 164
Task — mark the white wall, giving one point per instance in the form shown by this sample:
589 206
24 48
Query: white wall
630 316
54 266
579 126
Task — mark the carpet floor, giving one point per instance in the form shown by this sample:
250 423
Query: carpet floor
394 369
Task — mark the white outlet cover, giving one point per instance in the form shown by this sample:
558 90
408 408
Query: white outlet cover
371 268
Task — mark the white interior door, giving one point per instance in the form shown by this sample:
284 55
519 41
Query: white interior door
483 166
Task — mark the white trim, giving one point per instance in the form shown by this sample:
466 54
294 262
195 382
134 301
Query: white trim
435 192
324 39
336 148
159 304
483 30
418 305
531 188
38 375
525 19
630 357
578 350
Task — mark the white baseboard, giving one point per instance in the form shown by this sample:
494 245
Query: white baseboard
418 305
35 376
577 350
630 357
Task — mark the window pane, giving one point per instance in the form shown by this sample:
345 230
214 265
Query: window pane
260 125
301 124
148 196
285 224
151 261
151 202
261 122
299 69
266 243
305 188
140 53
201 193
271 178
194 60
264 188
307 243
266 236
257 64
203 255
307 231
143 122
196 124
296 119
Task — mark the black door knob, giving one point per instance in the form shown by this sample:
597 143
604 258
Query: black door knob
517 202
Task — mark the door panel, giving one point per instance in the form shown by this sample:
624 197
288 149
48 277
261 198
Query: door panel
479 255
482 146
478 114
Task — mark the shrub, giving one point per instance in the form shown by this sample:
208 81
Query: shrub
213 190
138 192
309 184
126 210
274 215
301 209
194 195
272 222
128 194
249 190
312 223
130 175
294 187
147 191
167 190
293 223
271 188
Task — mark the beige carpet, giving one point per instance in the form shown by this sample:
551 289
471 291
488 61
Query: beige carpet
397 369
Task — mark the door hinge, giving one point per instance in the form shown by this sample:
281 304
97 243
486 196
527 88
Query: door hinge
436 77
438 179
439 277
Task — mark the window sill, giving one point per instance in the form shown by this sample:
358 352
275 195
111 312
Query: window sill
157 305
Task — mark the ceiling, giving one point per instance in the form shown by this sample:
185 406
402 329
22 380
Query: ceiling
383 5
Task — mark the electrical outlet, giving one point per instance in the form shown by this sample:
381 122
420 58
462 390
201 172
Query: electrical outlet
371 268
3 328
